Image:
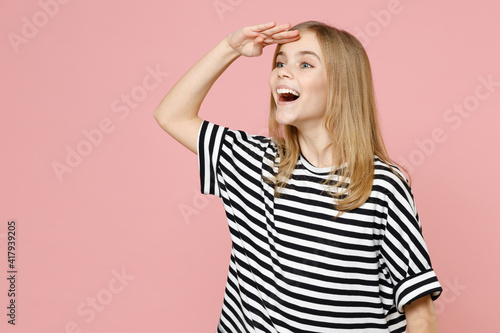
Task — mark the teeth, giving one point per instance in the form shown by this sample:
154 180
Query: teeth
284 91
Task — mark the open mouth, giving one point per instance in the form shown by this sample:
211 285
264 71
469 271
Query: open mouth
287 95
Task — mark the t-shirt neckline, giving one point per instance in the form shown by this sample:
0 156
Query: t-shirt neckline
317 170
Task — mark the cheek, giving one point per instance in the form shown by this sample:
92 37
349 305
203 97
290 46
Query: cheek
321 88
318 88
272 78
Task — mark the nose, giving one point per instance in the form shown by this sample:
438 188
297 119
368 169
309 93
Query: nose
284 72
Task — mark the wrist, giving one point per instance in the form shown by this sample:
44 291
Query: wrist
228 50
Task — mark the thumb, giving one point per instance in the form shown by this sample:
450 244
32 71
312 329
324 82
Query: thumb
258 44
258 40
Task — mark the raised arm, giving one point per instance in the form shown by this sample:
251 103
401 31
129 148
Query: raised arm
177 113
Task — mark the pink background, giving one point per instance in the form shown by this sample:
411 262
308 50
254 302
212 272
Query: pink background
131 206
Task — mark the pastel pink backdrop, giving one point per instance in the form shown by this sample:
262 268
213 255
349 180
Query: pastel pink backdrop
131 206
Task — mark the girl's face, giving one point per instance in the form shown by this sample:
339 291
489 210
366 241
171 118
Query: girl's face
300 66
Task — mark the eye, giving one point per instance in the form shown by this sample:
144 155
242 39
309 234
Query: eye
280 64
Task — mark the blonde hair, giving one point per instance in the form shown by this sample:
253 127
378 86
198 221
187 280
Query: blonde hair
351 119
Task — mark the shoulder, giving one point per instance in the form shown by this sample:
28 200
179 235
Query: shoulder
390 180
235 138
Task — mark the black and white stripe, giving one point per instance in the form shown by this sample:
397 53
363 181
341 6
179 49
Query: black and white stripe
293 267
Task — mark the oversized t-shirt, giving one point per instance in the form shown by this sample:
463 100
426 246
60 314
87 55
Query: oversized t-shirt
293 266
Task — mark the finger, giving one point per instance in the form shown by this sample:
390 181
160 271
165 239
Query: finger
278 41
277 29
268 32
286 34
262 27
282 39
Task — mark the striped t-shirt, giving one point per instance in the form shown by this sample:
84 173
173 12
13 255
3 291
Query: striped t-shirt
293 267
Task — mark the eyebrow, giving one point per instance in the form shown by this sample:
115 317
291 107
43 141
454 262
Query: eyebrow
280 53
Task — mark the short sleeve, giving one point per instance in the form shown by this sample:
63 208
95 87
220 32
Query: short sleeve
210 137
230 160
404 251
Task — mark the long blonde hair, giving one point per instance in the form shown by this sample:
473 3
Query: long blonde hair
351 119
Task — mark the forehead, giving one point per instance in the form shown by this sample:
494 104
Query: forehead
307 42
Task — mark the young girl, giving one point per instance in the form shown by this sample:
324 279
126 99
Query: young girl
325 233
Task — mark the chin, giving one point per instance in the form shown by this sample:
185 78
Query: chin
283 120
